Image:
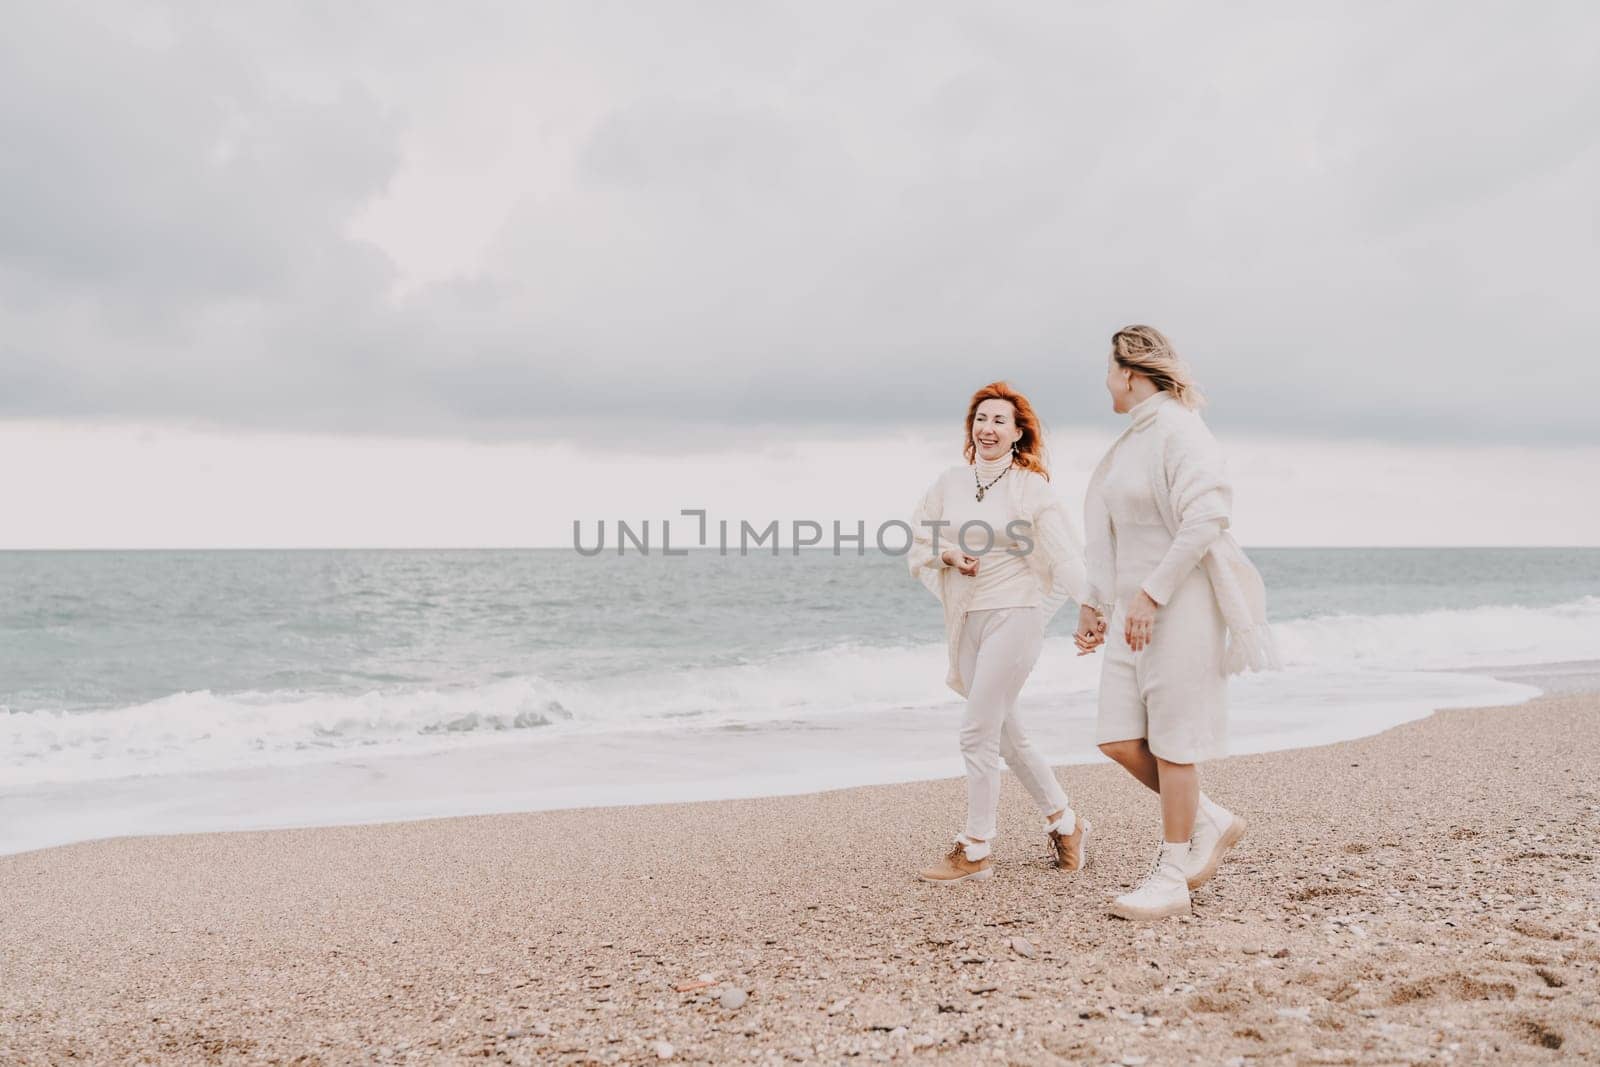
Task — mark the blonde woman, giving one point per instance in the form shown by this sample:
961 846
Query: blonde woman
992 541
1186 610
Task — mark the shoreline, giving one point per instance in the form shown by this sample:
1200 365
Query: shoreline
1423 891
667 766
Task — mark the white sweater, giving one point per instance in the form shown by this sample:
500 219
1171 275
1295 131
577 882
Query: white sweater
1045 570
1004 579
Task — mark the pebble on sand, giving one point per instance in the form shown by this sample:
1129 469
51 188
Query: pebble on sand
881 1014
690 987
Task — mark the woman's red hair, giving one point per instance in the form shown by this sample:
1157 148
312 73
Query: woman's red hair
1030 446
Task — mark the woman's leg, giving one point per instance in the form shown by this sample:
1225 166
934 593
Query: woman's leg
1066 830
1026 627
994 667
1165 890
1186 701
1136 758
1213 828
1033 770
1180 796
1122 721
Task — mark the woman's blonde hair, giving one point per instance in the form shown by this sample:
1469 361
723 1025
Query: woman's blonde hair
1146 350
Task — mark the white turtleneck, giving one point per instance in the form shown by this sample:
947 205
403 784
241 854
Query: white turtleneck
1004 578
989 469
1144 412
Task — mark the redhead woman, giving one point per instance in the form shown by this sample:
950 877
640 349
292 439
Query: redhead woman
991 540
1186 608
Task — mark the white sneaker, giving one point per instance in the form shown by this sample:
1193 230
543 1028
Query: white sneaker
1215 832
1164 891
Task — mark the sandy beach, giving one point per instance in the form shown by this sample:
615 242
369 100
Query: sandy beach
1430 894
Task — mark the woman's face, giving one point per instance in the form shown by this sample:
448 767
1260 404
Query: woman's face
1119 383
994 428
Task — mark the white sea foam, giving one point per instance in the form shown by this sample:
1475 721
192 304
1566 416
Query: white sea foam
1442 640
1346 673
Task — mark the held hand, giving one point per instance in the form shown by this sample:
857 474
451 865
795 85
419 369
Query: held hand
962 562
1091 632
1141 622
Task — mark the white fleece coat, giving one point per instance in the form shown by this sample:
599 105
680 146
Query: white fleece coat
1191 485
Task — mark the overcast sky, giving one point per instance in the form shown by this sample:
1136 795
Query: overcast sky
655 228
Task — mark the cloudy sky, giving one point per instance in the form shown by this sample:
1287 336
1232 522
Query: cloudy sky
405 273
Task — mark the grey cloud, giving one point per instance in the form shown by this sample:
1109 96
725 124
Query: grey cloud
1355 221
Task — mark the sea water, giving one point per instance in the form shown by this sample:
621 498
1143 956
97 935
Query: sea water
145 692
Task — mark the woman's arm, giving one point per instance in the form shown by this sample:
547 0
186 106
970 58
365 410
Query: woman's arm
1100 557
1201 499
924 562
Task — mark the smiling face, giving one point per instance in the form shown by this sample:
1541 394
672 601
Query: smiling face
994 428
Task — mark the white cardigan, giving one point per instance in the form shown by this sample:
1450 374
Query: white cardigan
1056 559
1191 487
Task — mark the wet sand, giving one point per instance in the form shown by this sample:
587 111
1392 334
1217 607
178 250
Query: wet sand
1430 894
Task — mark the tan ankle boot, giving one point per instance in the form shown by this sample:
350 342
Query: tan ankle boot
1071 849
955 867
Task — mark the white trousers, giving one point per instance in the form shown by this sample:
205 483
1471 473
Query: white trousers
999 647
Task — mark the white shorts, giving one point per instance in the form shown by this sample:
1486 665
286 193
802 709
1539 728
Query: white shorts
1173 694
